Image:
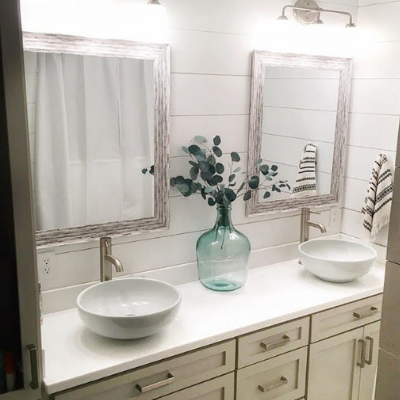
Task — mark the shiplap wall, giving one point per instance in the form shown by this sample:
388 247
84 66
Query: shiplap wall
375 107
299 108
210 94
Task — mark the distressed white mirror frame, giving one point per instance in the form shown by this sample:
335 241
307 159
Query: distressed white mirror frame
160 54
263 59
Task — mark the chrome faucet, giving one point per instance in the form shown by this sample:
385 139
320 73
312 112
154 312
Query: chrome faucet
306 223
107 260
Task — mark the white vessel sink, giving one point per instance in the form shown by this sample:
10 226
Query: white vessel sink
337 260
128 308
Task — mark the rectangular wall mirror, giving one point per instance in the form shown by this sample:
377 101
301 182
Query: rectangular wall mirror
98 115
299 123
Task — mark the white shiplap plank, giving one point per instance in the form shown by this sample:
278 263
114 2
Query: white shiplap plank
374 131
210 53
305 124
209 95
376 96
233 130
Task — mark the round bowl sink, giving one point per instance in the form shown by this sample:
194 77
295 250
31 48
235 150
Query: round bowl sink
128 308
337 260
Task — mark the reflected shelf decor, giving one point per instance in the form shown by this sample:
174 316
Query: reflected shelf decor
223 252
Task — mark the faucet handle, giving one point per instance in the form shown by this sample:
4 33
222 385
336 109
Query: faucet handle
315 212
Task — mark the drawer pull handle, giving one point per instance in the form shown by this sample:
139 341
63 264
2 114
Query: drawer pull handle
144 389
282 382
33 353
372 312
275 345
371 350
363 343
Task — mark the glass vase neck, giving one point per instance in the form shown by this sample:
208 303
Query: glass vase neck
223 216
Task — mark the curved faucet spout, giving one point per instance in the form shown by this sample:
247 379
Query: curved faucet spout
321 227
113 260
107 260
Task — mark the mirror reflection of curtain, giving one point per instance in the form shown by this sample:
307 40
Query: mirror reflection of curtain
94 135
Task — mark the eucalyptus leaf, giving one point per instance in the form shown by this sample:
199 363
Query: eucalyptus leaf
211 169
204 166
259 161
217 140
194 172
193 163
219 168
211 160
199 186
217 178
183 188
230 194
200 157
144 171
179 180
247 195
209 189
206 176
231 178
203 193
235 156
172 182
241 187
237 169
200 139
254 182
274 168
185 149
151 170
217 151
264 169
211 201
194 149
266 195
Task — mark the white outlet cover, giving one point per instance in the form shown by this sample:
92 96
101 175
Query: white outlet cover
45 266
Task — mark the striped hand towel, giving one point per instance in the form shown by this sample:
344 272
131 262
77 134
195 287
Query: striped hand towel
306 183
378 202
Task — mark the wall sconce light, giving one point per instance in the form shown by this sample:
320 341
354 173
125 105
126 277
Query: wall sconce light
309 12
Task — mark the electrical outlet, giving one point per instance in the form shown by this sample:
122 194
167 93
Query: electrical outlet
45 264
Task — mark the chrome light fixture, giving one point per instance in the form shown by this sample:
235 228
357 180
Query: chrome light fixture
309 12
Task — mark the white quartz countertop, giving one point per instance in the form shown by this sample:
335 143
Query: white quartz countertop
272 295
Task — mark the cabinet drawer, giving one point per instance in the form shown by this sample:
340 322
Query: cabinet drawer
281 378
222 388
344 318
162 378
271 342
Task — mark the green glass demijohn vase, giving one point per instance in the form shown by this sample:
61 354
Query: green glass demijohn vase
223 254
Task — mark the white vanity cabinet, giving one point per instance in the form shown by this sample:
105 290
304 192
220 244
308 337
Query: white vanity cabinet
343 367
330 355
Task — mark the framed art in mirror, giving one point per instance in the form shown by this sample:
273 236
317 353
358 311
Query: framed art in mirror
98 114
298 126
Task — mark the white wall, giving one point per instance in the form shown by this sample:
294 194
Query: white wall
210 94
375 107
299 108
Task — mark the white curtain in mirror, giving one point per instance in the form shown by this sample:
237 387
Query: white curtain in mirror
94 135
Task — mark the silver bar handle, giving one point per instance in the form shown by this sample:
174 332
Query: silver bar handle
372 311
265 389
144 389
371 350
270 346
34 366
363 343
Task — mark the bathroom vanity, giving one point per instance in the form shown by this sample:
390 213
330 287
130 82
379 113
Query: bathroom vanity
285 335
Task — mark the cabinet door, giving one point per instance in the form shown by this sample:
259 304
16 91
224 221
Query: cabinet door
368 373
334 373
13 130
